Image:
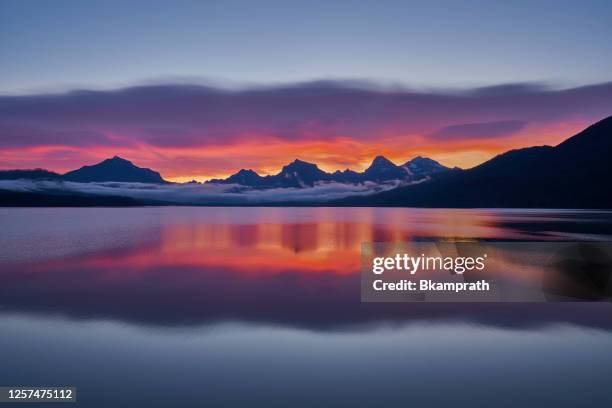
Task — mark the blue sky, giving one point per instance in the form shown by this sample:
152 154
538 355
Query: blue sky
51 45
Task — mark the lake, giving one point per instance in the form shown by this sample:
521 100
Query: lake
186 306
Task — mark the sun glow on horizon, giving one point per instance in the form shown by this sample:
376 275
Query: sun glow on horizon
268 154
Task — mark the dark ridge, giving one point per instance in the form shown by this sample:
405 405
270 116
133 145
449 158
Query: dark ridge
30 199
115 169
30 174
573 174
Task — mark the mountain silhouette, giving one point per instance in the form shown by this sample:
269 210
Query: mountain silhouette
423 167
299 174
347 176
115 169
33 174
574 174
382 169
243 177
296 174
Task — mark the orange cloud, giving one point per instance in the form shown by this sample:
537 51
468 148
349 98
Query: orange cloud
267 154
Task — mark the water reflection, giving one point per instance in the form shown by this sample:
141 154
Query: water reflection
296 267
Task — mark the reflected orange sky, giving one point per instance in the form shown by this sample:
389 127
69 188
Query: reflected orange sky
275 246
211 262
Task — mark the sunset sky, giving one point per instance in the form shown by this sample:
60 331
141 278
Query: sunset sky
202 89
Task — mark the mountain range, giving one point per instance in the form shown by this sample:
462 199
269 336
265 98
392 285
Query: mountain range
574 174
297 174
577 173
301 174
114 169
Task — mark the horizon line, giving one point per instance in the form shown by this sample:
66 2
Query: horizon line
131 161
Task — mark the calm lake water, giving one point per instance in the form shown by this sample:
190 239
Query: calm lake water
148 307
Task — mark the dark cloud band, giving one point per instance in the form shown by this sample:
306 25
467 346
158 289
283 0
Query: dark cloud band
195 115
486 130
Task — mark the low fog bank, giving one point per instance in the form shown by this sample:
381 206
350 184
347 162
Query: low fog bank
191 193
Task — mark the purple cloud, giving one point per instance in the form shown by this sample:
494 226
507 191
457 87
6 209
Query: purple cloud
196 115
13 135
485 130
